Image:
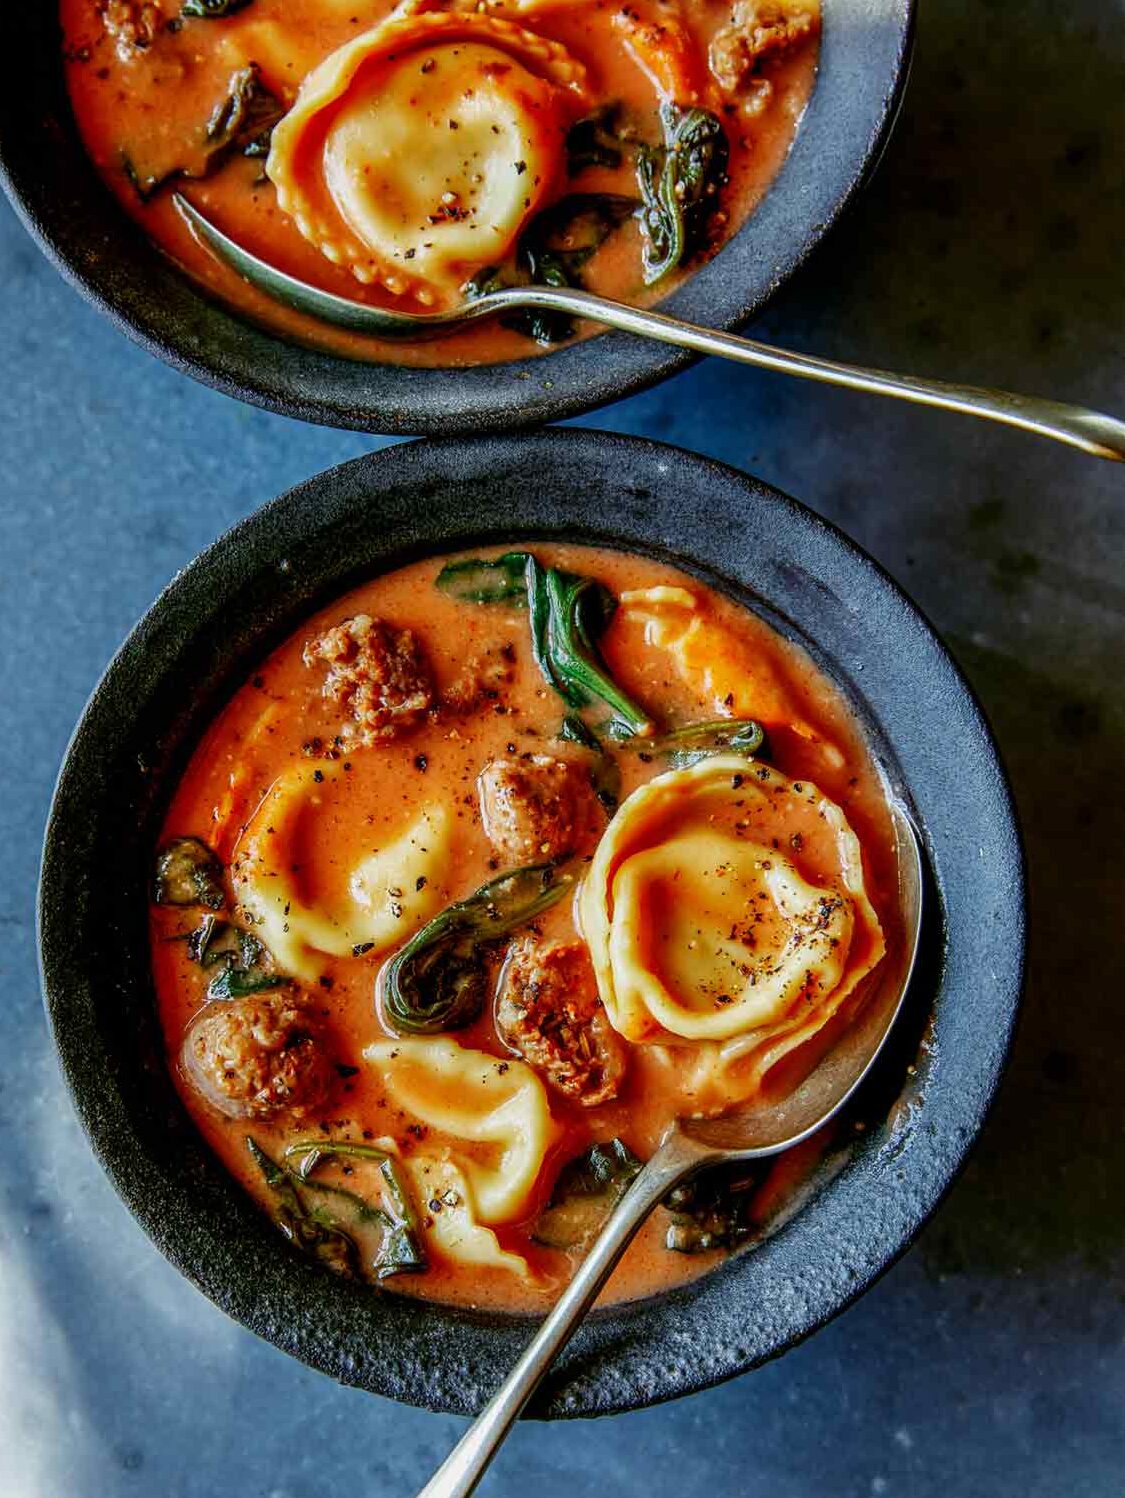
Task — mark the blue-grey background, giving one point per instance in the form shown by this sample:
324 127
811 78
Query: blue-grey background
990 1360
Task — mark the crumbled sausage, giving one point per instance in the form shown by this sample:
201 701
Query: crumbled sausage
258 1056
131 24
482 679
376 673
548 1010
758 32
538 808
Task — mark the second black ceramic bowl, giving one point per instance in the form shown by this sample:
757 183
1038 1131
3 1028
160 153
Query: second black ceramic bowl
204 636
105 255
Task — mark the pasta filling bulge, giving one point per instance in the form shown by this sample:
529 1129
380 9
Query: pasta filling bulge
418 151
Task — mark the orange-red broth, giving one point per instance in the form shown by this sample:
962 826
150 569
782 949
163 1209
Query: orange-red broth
280 710
152 106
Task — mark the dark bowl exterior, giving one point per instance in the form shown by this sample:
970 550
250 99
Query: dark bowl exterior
249 591
74 218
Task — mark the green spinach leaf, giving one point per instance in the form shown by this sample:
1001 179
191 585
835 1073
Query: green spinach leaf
471 580
401 1249
586 1192
319 1231
576 730
188 872
243 960
311 1230
568 615
680 182
552 252
439 980
236 982
595 141
696 741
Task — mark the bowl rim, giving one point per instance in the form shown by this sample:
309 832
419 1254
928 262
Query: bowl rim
451 1359
119 270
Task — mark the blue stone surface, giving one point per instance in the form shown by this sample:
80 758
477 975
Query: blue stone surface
990 1360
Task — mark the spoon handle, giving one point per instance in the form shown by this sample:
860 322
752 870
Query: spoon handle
1077 426
1090 431
677 1158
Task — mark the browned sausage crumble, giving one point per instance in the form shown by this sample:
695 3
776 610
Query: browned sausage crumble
758 32
548 1010
376 673
259 1055
538 808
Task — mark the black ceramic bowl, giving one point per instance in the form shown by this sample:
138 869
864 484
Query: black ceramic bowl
249 591
78 224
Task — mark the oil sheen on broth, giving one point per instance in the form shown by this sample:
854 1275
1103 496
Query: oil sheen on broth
494 868
411 156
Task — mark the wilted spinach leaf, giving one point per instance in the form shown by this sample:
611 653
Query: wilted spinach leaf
312 1230
569 614
594 141
244 960
321 1232
244 119
401 1248
236 982
680 182
586 1192
439 980
241 122
695 741
472 580
188 872
552 252
713 1210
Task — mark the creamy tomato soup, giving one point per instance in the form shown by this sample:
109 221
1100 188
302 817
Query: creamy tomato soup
415 155
494 868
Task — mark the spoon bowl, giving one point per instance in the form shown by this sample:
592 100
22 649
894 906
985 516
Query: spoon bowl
692 1145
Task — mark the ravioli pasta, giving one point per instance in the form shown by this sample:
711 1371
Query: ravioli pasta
451 1223
495 1114
422 147
726 904
388 894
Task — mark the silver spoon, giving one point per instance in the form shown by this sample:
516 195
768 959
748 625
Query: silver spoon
1090 431
690 1146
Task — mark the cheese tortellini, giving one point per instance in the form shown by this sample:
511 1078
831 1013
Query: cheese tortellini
710 658
386 897
449 1221
494 1113
725 910
416 152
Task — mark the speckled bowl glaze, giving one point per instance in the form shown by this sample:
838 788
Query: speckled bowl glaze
55 189
919 1111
